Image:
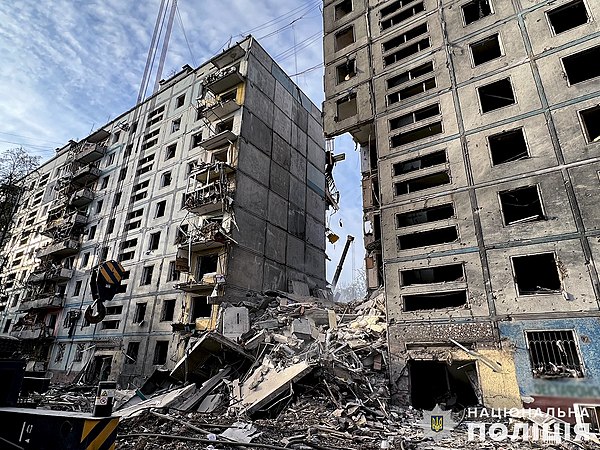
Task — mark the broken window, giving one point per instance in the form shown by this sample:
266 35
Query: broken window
411 91
411 74
225 125
421 183
496 95
426 238
77 289
435 382
179 101
475 10
206 264
486 50
438 274
346 107
133 349
154 241
104 183
400 16
567 16
414 116
434 300
160 353
170 151
589 414
344 38
140 312
175 125
165 179
521 205
536 274
79 352
422 162
173 274
508 146
342 9
111 226
407 51
196 140
160 209
92 232
417 134
346 71
426 215
168 311
146 275
99 206
582 66
200 308
404 37
554 354
591 123
110 324
60 352
111 310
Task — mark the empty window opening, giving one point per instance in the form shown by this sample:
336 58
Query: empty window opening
411 91
173 274
179 101
170 151
415 116
508 146
342 9
434 300
417 134
496 95
394 6
435 382
226 125
165 179
110 310
407 51
419 239
521 205
404 37
346 107
568 16
206 264
475 10
168 311
402 16
160 353
196 140
110 324
200 308
426 215
536 274
422 183
580 67
422 162
154 241
439 274
589 414
554 354
146 275
160 208
344 38
175 125
346 71
409 75
140 312
486 50
591 123
133 349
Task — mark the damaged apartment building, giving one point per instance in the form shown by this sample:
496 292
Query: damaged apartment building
478 124
212 188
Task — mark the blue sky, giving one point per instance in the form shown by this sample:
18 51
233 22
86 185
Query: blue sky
70 66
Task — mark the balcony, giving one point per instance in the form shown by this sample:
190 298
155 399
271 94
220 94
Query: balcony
207 173
66 222
224 138
82 197
56 274
87 152
214 109
210 236
63 248
42 301
86 175
224 79
206 284
33 331
209 198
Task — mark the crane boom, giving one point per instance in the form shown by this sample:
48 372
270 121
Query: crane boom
338 270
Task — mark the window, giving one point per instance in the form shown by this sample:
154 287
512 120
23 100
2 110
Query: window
589 414
168 311
410 74
196 140
486 50
404 37
422 162
437 236
411 91
92 232
536 274
400 16
508 146
99 206
79 353
438 274
554 354
521 205
342 9
160 209
406 52
416 134
179 101
170 152
175 126
122 174
104 254
496 95
415 116
475 10
580 67
129 243
190 167
160 352
165 179
154 241
60 352
117 199
111 159
346 71
174 274
344 38
346 107
426 215
110 324
85 260
140 312
591 123
225 125
436 300
146 275
200 308
567 16
111 226
133 349
104 183
112 310
77 289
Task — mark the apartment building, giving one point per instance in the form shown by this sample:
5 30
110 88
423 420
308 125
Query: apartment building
478 126
211 189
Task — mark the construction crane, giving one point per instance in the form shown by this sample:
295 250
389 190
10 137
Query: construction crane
338 270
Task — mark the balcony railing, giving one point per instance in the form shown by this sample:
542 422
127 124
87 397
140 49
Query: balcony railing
82 197
85 175
207 173
214 109
87 152
219 140
224 79
208 237
34 331
52 274
206 284
207 199
41 301
62 248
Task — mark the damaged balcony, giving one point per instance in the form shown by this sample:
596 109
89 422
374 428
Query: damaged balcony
42 301
86 175
63 248
207 199
88 152
72 220
210 236
56 274
82 197
206 283
33 331
221 106
223 80
207 173
221 139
